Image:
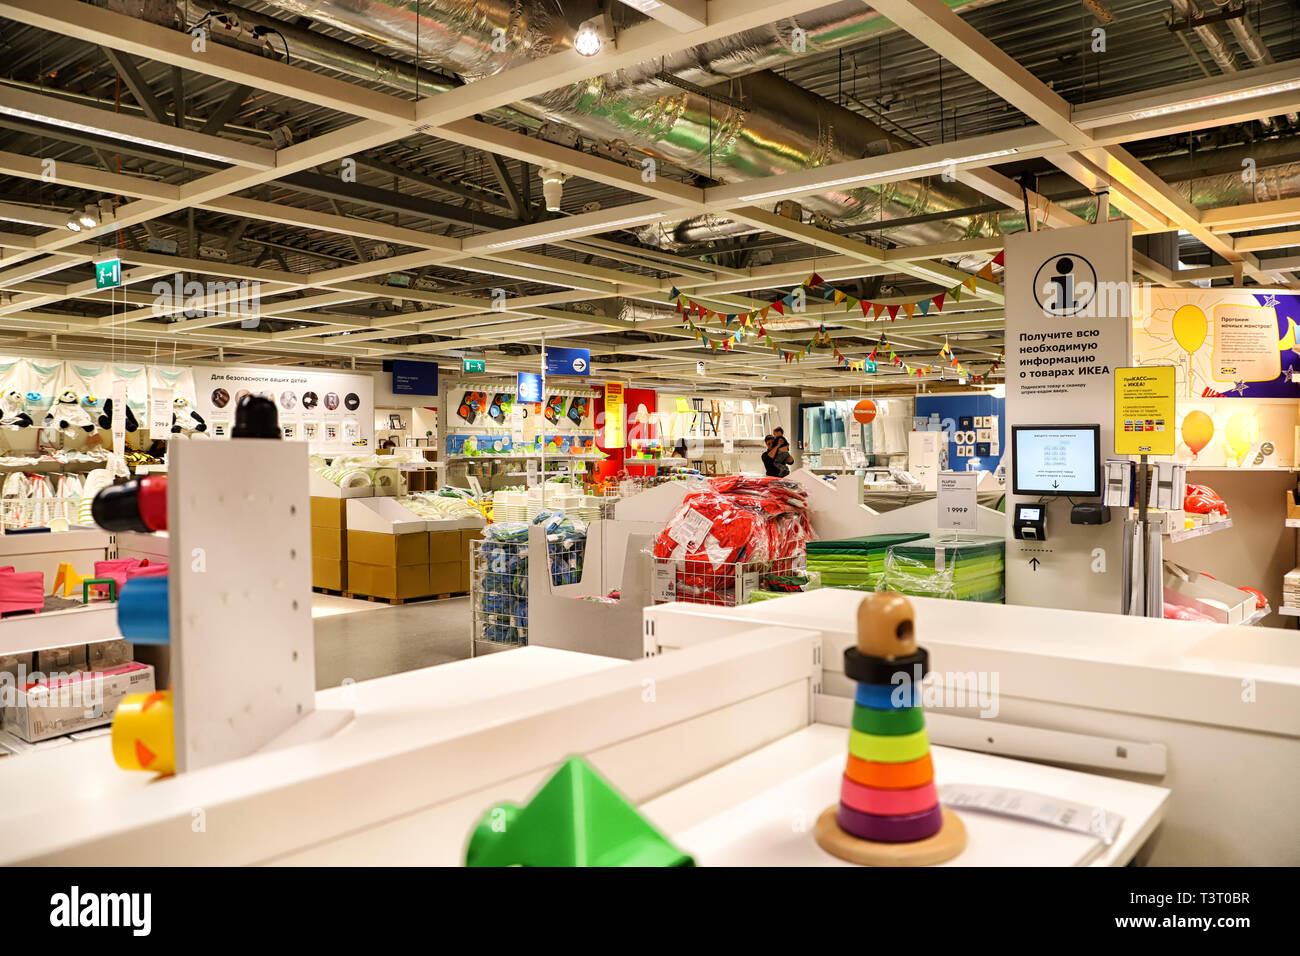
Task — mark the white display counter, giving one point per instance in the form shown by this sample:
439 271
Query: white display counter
1211 711
687 736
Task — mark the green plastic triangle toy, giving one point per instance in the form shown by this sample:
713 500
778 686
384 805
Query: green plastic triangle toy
575 819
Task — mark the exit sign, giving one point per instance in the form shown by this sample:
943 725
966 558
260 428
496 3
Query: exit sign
108 274
473 366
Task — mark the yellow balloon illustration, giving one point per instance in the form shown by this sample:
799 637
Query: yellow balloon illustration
1190 327
1198 429
1242 429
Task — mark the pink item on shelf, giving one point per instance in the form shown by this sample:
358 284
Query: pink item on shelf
147 571
22 591
119 569
9 567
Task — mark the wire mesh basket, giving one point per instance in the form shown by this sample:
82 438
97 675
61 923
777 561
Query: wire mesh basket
726 584
499 595
499 586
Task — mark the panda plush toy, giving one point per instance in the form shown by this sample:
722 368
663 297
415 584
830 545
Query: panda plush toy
12 410
106 417
66 412
185 420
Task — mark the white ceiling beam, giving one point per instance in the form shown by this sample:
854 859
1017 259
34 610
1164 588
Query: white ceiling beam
100 26
56 111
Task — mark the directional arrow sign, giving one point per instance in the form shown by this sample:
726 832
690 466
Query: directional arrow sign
1033 563
1056 484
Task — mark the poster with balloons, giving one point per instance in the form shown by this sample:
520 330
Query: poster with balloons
1224 343
1233 351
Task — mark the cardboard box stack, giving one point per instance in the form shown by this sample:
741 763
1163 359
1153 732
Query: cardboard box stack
396 555
329 543
1291 588
392 565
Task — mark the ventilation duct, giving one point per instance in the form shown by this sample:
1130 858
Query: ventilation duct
780 128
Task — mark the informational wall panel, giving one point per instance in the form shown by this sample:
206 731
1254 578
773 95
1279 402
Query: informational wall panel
1068 303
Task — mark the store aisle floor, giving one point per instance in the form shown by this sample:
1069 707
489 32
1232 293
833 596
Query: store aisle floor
388 640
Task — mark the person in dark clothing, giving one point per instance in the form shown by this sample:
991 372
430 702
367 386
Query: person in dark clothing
769 466
777 458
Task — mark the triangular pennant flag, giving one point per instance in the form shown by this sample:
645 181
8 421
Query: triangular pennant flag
955 291
779 306
872 356
1000 258
893 313
763 312
909 308
839 297
865 305
938 302
955 363
970 283
987 272
814 280
878 309
925 306
674 292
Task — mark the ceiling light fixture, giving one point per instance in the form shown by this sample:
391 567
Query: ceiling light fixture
553 181
560 233
88 217
74 225
887 174
591 36
1284 87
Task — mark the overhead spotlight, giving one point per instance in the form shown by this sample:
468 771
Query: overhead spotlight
74 225
592 34
89 217
552 186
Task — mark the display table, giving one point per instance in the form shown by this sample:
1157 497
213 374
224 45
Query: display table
749 812
72 781
1200 708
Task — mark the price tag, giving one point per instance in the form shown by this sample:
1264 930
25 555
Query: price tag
690 529
475 487
533 469
957 501
160 413
665 583
1047 810
518 416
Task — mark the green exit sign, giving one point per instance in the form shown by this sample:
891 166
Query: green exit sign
108 274
474 366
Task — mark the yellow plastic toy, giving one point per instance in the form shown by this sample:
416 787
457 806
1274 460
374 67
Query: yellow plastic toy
144 733
67 578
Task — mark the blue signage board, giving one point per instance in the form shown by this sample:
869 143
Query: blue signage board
568 361
413 378
530 388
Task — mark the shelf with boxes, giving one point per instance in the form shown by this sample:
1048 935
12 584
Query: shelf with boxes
377 548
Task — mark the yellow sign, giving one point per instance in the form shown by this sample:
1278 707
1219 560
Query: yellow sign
613 415
1144 410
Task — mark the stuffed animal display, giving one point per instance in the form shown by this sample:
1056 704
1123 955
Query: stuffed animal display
66 412
106 418
185 420
13 412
